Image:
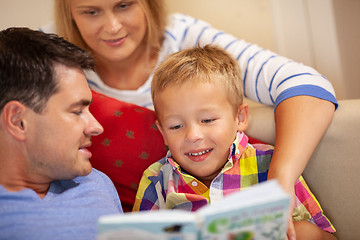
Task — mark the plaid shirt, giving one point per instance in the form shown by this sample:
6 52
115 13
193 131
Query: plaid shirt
165 185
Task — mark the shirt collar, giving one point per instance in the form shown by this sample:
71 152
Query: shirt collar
238 146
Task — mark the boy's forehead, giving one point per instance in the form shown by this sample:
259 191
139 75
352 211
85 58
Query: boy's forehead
206 93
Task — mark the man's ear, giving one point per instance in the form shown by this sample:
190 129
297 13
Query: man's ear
243 117
158 125
13 119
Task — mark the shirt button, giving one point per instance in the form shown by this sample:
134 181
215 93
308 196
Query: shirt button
194 184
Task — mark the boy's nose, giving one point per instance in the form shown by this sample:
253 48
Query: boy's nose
193 133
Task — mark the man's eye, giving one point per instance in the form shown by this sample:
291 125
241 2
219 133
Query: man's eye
78 112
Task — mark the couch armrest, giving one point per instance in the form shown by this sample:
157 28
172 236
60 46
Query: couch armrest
332 172
333 169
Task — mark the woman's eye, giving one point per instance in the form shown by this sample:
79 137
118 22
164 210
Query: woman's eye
90 12
124 5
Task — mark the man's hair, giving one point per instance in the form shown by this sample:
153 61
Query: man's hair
206 64
27 65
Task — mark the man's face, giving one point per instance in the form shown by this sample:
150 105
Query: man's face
58 137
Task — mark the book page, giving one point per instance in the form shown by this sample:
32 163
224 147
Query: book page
260 212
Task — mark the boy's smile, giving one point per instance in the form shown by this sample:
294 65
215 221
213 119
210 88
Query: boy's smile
198 156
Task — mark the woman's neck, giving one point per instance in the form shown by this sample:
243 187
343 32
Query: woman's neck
128 74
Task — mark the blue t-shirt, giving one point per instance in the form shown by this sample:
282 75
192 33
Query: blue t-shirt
70 209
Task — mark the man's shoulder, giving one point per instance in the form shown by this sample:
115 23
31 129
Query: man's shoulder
95 176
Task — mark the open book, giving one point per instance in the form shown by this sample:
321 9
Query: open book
259 212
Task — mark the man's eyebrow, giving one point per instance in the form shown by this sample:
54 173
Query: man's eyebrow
83 102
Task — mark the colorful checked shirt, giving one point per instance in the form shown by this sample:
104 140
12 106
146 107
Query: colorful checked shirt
165 185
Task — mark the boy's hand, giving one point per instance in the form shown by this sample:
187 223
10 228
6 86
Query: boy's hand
291 230
291 235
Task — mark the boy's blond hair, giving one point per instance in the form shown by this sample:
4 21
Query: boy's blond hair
154 12
208 63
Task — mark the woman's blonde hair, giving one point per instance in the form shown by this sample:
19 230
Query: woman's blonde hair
154 12
205 64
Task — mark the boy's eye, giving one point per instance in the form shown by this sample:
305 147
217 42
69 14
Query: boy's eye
123 5
175 127
207 120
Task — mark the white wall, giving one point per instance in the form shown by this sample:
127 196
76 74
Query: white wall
247 19
25 13
324 34
347 14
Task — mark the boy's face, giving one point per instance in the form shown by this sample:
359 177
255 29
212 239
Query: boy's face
199 125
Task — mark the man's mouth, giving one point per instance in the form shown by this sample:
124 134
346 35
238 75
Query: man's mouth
84 151
85 146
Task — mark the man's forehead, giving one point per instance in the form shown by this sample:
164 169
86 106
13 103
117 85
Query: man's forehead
72 85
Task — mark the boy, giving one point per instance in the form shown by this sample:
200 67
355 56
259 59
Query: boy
198 99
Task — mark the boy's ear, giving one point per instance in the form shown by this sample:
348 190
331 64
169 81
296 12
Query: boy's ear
158 125
243 117
13 119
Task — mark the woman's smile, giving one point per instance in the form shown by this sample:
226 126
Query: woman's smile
116 42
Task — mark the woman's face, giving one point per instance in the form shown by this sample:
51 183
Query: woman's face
113 29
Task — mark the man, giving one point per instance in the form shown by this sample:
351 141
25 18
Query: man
48 188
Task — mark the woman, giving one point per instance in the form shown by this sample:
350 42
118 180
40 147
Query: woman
128 39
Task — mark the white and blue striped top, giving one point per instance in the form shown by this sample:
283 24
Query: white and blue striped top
267 77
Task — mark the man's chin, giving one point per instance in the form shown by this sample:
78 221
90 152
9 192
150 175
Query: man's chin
85 169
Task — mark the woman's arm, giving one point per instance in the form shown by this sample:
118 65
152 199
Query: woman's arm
300 123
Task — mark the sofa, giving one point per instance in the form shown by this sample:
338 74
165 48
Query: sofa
131 142
332 170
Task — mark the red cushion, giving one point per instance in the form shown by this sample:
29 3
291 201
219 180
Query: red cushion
255 140
129 144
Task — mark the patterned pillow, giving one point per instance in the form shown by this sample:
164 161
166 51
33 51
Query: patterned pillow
130 143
